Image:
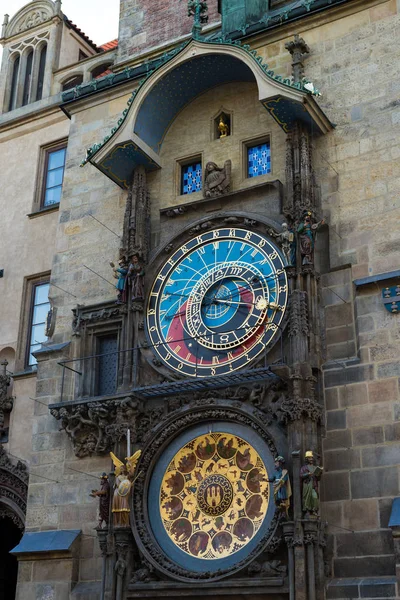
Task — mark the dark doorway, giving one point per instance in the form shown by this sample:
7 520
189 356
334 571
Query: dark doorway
10 536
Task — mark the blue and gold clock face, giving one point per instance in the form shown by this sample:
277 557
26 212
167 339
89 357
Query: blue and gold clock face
217 302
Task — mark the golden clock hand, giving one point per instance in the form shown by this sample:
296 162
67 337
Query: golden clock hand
270 304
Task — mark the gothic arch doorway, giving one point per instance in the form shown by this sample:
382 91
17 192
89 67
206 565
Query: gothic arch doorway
9 538
13 495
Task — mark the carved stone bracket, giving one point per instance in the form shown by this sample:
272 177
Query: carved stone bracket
95 426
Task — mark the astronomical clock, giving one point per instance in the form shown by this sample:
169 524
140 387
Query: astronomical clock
217 302
216 306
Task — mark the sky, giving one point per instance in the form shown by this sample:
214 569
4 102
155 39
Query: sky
97 18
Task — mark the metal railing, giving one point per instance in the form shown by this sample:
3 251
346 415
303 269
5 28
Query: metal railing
79 380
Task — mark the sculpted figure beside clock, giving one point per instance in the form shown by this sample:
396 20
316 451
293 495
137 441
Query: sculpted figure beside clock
217 302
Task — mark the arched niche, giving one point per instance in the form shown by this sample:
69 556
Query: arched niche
195 69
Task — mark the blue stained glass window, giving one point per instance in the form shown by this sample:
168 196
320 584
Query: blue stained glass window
258 160
191 178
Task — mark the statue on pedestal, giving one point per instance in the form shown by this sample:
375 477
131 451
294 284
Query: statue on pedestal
307 230
124 479
104 500
282 487
310 474
287 239
136 278
223 128
120 274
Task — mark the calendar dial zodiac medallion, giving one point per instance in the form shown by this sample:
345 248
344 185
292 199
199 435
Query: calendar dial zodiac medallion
217 302
214 496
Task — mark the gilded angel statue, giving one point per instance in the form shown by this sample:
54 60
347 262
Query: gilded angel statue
124 479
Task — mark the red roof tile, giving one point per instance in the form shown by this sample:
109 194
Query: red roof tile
109 45
106 72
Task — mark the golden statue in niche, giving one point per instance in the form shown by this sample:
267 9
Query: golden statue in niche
122 488
223 127
214 495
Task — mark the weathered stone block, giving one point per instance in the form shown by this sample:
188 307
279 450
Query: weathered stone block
365 414
383 390
360 514
336 419
392 432
340 351
339 334
53 570
338 315
390 369
348 375
351 395
364 543
25 571
378 590
381 456
335 486
341 591
340 460
63 494
372 483
385 509
368 436
363 567
332 512
340 438
331 399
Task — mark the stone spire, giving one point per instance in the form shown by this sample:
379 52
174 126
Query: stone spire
299 50
199 10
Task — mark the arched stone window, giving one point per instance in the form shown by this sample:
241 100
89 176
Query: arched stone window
100 70
71 82
14 83
27 78
42 65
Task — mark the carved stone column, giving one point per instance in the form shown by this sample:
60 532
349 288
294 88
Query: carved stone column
123 544
102 537
135 241
299 50
310 541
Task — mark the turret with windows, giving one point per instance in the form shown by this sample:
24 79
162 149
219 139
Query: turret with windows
39 41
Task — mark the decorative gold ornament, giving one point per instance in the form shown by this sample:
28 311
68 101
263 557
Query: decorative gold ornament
214 495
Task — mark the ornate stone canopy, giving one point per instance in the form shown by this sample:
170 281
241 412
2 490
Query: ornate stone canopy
190 70
13 489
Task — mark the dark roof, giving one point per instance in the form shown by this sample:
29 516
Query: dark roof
83 35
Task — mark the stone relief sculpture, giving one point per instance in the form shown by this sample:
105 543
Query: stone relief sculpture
124 478
310 474
217 180
103 494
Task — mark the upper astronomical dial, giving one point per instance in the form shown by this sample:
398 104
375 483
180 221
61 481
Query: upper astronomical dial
217 302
